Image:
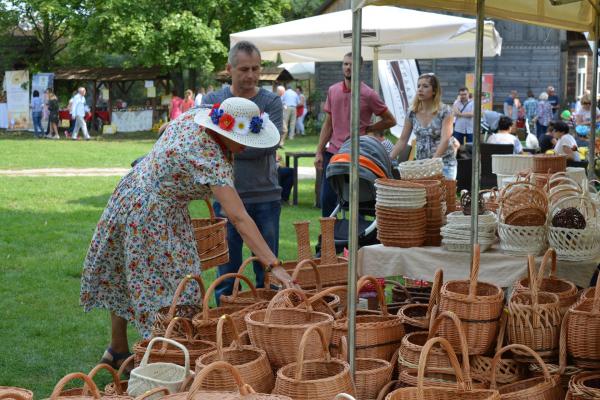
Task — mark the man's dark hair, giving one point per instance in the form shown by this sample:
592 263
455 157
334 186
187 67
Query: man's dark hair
349 54
463 89
530 93
243 46
561 126
550 126
504 123
36 93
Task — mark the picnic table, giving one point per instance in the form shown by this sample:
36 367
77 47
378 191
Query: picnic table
295 156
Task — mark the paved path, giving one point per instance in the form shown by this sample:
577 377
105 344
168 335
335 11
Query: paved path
303 172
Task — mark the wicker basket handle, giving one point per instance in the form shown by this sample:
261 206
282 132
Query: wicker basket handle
115 376
244 388
248 261
315 270
464 345
13 395
535 355
180 288
181 347
534 289
401 287
211 211
129 360
281 294
217 282
380 294
75 375
549 256
171 327
236 344
460 382
327 291
474 272
596 304
302 348
152 392
502 330
434 298
562 345
386 389
344 396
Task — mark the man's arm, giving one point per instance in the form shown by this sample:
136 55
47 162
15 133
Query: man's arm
324 137
387 121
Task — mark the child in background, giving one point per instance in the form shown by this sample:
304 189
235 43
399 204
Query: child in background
565 143
386 143
567 118
547 140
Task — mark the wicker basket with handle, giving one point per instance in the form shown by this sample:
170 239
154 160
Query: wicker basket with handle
317 379
85 390
522 204
91 391
462 391
279 331
211 239
113 388
250 361
583 331
415 317
479 305
584 386
246 297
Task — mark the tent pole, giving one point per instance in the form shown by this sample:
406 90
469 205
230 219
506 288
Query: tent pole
354 136
592 146
477 126
376 69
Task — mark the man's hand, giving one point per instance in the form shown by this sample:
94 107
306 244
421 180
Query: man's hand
319 160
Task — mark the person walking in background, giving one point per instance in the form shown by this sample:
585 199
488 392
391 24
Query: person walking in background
53 117
198 98
301 111
512 105
290 100
188 101
175 106
36 107
463 114
530 106
544 114
78 113
553 100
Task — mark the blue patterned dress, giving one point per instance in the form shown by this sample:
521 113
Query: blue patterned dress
430 136
144 243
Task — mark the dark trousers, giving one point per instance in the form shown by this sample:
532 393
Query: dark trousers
329 198
286 181
540 130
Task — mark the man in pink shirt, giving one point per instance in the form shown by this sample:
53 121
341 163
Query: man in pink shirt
336 127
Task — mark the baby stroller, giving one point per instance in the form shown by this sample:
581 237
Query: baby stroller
374 163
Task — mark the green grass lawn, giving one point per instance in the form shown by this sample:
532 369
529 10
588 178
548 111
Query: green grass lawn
46 224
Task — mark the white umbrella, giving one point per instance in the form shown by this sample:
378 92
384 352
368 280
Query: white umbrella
300 71
392 32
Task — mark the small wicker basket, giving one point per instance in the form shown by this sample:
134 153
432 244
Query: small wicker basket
549 163
583 331
211 239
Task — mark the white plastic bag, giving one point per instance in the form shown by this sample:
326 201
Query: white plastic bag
531 142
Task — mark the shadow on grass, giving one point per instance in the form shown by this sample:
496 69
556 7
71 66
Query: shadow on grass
98 201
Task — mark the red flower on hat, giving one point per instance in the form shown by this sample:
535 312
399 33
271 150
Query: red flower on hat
226 122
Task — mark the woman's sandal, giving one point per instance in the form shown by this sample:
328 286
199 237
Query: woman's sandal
115 359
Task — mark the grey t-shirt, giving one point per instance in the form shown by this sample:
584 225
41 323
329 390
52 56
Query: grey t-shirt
255 170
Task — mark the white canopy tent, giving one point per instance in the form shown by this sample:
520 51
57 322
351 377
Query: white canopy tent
394 33
300 71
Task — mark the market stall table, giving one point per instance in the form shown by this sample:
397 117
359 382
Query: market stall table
496 267
296 155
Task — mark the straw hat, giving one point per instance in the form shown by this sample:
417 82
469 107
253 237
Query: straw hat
240 120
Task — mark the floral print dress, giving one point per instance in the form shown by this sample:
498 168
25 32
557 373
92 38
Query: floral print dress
144 242
430 136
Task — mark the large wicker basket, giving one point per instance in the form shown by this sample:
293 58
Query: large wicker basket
211 239
584 386
583 331
549 163
479 305
415 317
316 379
522 204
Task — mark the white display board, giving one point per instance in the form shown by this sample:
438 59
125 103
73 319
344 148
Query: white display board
16 84
3 116
132 121
398 81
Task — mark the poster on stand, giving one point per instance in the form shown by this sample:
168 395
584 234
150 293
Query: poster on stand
41 82
398 80
487 89
16 84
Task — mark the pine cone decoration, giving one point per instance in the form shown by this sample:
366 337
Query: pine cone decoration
465 202
570 218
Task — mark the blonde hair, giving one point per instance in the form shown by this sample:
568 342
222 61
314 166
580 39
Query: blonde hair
417 104
586 98
189 93
543 96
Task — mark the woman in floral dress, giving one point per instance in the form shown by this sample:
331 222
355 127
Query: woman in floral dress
431 122
144 242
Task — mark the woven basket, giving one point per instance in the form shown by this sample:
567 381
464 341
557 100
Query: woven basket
317 379
546 387
377 336
463 390
450 195
243 391
510 164
522 204
186 311
58 392
575 244
584 386
279 331
388 388
211 239
113 388
415 317
534 320
421 169
522 240
565 290
508 370
583 331
205 322
171 354
549 163
479 305
16 393
490 199
370 374
116 382
250 361
246 297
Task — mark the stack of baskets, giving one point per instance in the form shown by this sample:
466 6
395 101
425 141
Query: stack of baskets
422 169
434 210
544 165
522 219
457 231
450 195
400 211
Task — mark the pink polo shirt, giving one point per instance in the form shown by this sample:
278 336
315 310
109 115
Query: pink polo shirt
338 105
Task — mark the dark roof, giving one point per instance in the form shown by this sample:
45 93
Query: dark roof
108 74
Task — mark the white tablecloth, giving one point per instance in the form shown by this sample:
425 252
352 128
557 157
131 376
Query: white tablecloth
3 116
132 121
495 267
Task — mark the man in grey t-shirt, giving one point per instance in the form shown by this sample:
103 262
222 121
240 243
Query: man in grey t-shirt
255 170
